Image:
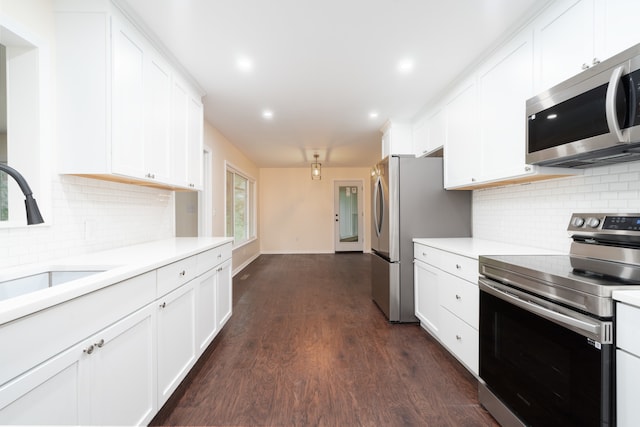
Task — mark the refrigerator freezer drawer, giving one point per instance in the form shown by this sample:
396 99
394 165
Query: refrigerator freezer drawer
385 288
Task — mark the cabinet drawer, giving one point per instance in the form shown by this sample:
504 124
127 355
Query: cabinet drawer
174 275
460 338
426 254
458 265
628 333
460 297
209 259
69 322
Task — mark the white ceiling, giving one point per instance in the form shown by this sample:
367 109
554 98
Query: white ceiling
323 66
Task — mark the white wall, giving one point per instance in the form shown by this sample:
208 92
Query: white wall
297 213
537 214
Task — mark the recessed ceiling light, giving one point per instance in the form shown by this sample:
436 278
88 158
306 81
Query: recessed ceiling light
405 66
267 114
244 64
373 115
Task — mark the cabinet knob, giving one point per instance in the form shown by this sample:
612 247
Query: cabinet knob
100 343
458 337
219 269
458 297
163 305
596 61
458 266
585 66
527 168
89 349
182 273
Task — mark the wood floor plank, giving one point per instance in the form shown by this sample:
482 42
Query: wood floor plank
306 346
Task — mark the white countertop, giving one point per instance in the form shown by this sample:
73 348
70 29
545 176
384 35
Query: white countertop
473 248
123 263
627 297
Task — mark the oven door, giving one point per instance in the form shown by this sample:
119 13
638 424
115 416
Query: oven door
546 364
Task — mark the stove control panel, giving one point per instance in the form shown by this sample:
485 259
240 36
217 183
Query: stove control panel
605 223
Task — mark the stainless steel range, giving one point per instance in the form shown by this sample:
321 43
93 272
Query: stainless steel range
547 325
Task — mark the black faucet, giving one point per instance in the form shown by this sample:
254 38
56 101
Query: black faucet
33 213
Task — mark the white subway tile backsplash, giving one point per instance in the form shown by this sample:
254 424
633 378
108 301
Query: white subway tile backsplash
90 215
537 214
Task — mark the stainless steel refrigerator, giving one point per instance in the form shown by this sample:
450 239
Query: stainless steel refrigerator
409 201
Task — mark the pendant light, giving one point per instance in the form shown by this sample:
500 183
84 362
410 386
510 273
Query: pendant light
316 168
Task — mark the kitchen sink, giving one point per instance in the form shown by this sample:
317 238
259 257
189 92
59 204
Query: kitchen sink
45 277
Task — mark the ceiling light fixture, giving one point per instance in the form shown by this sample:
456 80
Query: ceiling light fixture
267 114
373 115
244 64
316 168
405 66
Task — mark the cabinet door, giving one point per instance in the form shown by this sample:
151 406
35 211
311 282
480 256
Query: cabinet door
127 134
176 339
157 129
437 130
194 143
206 308
426 296
179 124
53 393
420 137
504 85
627 389
616 26
123 380
564 37
462 159
224 294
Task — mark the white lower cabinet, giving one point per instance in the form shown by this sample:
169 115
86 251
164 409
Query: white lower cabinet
224 294
426 295
447 301
627 365
176 338
114 356
108 379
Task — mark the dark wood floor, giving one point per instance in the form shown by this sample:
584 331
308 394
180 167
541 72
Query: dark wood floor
306 346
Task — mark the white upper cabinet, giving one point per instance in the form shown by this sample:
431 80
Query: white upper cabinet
429 133
616 26
117 96
127 98
396 138
462 162
573 35
564 37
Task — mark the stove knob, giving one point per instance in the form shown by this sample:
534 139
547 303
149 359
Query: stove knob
577 221
593 222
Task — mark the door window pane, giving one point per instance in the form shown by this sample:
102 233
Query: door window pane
348 214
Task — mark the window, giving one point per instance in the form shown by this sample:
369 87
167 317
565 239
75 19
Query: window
240 207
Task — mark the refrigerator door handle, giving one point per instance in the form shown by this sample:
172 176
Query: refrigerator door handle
378 200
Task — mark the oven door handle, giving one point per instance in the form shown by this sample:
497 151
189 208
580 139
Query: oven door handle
599 331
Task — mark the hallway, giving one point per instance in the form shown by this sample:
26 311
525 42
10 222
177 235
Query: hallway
306 346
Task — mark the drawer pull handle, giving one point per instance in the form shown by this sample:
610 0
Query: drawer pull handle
89 349
458 266
458 337
219 269
100 343
182 273
163 305
458 297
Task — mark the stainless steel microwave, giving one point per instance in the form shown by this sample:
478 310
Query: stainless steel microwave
592 119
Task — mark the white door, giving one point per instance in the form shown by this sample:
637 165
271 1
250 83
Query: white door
348 216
